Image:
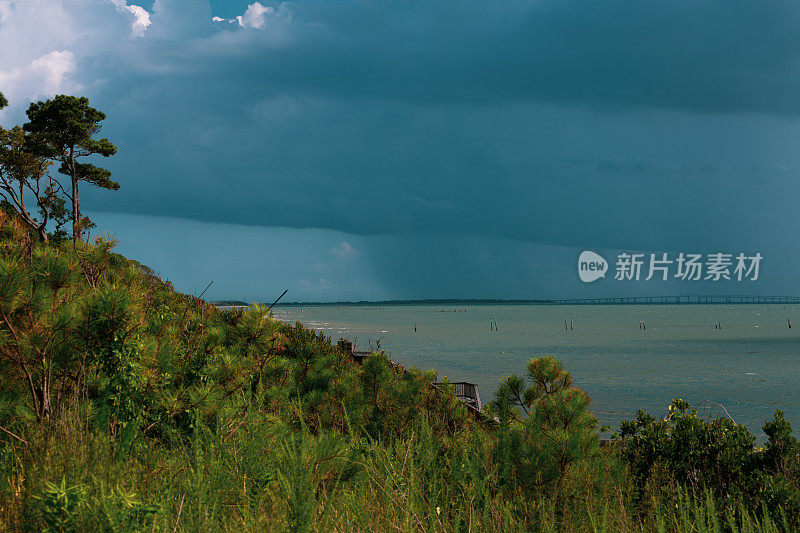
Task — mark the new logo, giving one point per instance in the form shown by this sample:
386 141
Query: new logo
591 266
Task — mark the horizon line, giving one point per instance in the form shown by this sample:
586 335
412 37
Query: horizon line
606 300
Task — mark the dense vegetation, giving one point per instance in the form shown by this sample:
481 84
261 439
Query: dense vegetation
126 406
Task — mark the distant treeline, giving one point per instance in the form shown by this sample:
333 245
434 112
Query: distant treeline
230 303
429 301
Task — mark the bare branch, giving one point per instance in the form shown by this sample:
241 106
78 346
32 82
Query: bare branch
7 432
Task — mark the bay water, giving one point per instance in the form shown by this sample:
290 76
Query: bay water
626 357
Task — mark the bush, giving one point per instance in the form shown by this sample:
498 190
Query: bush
59 505
557 431
715 455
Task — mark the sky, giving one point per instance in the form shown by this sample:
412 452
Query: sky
356 150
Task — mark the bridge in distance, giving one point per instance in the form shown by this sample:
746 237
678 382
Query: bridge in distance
647 300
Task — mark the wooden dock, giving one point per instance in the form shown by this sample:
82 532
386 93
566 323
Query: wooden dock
464 391
467 393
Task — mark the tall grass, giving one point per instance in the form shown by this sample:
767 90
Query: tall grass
276 478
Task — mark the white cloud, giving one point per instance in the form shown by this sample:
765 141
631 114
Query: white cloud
77 46
31 29
256 15
142 19
44 76
140 14
52 46
343 250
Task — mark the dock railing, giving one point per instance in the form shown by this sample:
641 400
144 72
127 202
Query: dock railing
467 393
463 390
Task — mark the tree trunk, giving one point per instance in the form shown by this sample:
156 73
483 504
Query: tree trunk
45 399
45 406
76 211
42 231
28 245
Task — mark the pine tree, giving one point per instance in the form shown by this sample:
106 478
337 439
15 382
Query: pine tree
64 129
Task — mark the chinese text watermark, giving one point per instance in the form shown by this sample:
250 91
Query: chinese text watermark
664 266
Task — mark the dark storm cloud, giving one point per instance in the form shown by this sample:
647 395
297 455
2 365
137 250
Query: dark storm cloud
621 124
709 56
374 167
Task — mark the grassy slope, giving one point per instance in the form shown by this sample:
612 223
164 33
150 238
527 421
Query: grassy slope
125 405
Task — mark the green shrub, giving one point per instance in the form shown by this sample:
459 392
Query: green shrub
715 455
122 510
60 504
557 431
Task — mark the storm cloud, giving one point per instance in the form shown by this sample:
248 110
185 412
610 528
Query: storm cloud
563 124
